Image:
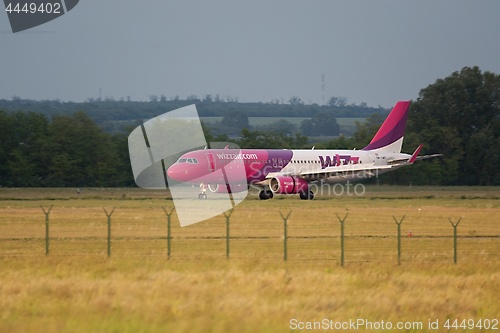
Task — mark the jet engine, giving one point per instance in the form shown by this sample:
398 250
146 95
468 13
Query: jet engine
289 185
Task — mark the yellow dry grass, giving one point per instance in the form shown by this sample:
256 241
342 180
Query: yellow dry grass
78 289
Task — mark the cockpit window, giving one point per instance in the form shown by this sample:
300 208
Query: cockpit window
188 160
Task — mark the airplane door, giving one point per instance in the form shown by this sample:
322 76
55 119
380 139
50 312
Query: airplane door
211 162
277 162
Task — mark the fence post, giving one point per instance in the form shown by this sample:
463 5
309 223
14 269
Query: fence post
399 236
47 212
285 234
227 232
454 225
168 229
342 238
109 228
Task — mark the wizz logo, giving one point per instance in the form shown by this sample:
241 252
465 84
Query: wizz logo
26 14
337 160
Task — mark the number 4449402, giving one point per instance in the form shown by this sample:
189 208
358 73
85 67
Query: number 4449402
487 324
32 8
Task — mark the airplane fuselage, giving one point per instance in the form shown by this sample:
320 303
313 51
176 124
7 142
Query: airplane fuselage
293 171
256 165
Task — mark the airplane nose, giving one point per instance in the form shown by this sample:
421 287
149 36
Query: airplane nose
177 172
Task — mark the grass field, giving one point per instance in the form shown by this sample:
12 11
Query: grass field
77 288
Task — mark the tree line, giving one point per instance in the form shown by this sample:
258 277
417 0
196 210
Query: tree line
67 151
458 116
118 116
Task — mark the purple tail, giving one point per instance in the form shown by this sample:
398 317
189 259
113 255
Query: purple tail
389 137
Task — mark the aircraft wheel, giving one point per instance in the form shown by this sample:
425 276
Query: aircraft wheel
263 195
269 194
202 196
306 195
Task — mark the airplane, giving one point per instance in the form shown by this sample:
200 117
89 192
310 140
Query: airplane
285 171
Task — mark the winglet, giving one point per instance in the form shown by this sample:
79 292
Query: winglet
413 157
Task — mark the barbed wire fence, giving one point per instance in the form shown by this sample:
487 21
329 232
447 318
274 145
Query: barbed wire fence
312 243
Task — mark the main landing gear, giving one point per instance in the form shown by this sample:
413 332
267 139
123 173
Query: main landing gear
265 194
202 196
306 195
268 194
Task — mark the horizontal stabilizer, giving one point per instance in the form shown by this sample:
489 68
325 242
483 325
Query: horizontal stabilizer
414 156
425 157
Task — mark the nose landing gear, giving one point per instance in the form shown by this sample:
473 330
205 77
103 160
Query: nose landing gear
203 194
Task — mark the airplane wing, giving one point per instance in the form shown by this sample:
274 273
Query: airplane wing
404 160
335 171
344 171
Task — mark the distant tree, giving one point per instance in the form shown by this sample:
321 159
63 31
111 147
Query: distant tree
78 153
120 173
280 126
366 131
230 99
482 157
21 136
295 100
337 101
342 142
210 137
235 119
320 124
266 140
459 116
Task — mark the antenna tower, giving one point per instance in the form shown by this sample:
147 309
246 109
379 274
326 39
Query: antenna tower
322 89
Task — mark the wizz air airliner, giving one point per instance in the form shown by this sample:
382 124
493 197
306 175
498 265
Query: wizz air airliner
287 171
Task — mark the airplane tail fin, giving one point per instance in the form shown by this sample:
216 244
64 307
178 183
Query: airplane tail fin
389 137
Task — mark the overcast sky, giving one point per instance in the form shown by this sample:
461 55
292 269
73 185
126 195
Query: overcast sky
371 51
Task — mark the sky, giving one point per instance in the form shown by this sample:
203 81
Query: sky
376 52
